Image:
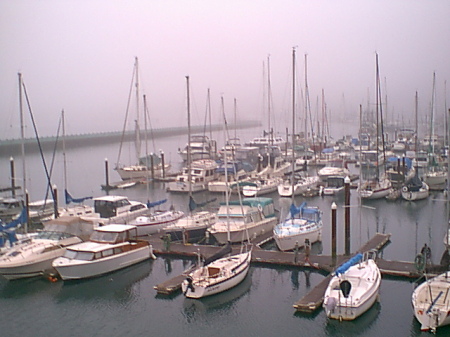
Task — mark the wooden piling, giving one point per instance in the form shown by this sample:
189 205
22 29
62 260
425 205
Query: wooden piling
13 178
347 216
333 232
106 174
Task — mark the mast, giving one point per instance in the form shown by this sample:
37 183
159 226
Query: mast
225 160
64 149
293 124
189 137
138 133
22 135
269 102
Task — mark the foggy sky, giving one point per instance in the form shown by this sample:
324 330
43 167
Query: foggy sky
79 56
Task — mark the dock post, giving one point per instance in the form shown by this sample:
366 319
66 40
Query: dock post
347 215
163 164
106 174
152 167
27 203
333 232
296 252
13 178
55 201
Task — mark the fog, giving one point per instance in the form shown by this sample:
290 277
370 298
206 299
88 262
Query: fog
79 56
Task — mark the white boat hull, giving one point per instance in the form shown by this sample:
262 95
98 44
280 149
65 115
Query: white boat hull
77 269
365 279
432 311
240 234
154 223
289 242
221 283
422 193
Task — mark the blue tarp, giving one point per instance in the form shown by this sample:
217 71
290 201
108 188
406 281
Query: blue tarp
344 267
155 203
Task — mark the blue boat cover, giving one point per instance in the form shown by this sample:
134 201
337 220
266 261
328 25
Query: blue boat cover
344 267
70 199
155 203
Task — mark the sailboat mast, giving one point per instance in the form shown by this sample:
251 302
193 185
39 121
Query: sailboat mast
63 118
293 123
269 102
189 136
225 160
138 132
22 135
433 97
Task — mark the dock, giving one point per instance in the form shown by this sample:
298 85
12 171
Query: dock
262 257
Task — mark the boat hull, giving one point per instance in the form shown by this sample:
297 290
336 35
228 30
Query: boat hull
289 242
423 193
240 234
154 223
220 284
432 311
77 269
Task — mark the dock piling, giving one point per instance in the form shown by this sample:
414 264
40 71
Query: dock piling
106 173
347 215
333 232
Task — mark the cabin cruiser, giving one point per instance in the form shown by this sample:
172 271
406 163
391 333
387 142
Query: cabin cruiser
191 228
201 147
35 256
200 172
261 186
244 219
148 168
109 248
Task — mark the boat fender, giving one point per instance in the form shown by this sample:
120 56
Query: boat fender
419 262
260 208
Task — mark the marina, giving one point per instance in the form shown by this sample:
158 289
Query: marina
396 265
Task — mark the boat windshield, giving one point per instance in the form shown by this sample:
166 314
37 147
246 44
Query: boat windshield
79 255
107 237
56 236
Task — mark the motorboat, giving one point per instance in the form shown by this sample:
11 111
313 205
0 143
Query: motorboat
230 174
353 289
35 256
332 171
217 274
303 222
200 147
244 219
149 167
10 208
334 185
301 185
116 209
155 221
431 302
195 177
109 248
41 210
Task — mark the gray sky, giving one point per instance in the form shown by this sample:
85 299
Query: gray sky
79 55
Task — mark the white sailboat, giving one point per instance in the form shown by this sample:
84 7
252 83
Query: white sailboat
431 302
151 165
304 223
220 272
380 186
353 289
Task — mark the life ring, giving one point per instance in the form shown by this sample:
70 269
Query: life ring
405 189
419 262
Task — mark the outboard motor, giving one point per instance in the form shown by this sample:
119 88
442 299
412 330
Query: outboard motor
345 286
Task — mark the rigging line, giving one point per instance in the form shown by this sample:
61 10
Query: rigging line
53 158
37 138
126 117
147 115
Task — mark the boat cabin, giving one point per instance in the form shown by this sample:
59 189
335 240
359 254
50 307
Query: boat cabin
113 205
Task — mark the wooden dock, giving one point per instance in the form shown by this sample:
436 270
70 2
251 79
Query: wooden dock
259 256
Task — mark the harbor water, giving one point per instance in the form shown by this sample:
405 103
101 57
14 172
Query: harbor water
125 303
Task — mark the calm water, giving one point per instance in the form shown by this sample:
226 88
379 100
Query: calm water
125 302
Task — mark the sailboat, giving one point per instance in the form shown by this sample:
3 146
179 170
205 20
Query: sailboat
431 302
353 289
192 227
435 176
304 222
380 186
221 271
149 166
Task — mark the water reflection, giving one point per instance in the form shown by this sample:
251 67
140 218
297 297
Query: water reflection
356 327
117 285
28 286
194 309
